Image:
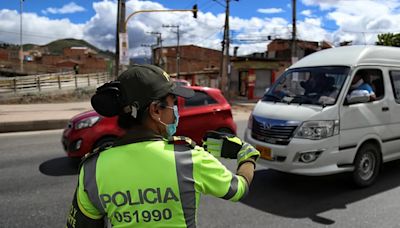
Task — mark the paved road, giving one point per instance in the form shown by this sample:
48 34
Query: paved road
37 182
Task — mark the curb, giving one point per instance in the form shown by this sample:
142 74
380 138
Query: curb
36 125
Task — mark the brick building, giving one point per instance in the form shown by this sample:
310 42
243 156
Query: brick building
86 58
4 54
281 48
198 65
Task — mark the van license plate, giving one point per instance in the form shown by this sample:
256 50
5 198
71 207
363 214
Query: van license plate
265 152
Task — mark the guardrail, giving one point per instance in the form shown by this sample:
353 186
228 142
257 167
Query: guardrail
49 82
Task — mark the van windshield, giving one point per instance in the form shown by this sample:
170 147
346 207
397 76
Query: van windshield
313 85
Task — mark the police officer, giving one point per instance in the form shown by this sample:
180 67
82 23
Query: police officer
149 178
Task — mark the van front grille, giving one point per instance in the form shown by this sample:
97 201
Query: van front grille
273 131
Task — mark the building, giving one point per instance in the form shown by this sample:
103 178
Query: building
198 65
84 57
281 48
252 74
4 54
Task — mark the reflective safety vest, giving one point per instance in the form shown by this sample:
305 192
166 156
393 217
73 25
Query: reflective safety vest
153 184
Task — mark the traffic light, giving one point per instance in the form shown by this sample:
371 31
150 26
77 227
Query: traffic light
194 10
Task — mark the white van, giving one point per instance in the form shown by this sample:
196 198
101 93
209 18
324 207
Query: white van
317 119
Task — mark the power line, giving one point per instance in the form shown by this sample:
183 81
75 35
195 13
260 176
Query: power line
350 31
30 34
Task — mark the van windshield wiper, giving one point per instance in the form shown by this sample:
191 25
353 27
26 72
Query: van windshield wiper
276 97
290 99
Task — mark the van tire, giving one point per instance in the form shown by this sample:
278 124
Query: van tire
367 164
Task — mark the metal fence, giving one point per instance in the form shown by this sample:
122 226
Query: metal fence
50 82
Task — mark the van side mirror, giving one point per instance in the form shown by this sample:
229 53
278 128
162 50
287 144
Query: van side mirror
357 96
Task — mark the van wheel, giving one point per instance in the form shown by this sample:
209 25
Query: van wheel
366 165
104 142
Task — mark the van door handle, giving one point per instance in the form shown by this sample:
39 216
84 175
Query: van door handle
385 109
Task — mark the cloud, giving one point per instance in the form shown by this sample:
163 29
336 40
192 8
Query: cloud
270 10
306 13
356 21
250 35
311 29
71 7
39 30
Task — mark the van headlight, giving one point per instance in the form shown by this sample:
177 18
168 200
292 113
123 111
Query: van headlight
318 129
87 122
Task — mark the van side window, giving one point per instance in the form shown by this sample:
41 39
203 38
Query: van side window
395 80
372 81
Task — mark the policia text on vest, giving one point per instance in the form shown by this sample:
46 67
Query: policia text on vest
192 170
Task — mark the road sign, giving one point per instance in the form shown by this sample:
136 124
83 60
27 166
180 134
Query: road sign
124 49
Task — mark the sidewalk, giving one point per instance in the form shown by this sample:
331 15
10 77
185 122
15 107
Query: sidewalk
34 117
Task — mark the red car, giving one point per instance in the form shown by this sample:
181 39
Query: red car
206 110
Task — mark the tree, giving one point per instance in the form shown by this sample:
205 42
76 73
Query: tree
389 39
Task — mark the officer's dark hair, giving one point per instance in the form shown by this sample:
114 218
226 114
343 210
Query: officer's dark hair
127 121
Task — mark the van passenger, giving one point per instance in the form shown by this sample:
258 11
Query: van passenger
360 85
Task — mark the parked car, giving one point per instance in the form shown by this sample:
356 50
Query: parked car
181 82
206 110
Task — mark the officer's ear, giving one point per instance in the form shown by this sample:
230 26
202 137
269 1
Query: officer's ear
155 110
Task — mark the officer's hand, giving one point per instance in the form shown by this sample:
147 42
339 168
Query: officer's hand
229 146
247 154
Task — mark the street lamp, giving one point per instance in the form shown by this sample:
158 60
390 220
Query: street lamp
124 35
194 10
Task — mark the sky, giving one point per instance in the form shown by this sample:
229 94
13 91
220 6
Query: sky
251 22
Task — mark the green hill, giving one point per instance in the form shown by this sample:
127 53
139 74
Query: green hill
57 46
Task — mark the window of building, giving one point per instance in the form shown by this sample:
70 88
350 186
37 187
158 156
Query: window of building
395 80
199 99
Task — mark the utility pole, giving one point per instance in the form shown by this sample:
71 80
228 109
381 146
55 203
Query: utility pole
225 66
151 46
294 45
178 52
158 44
21 55
120 29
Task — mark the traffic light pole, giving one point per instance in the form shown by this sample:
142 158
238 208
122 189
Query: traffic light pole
123 33
194 10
